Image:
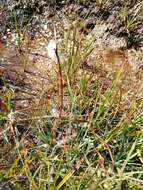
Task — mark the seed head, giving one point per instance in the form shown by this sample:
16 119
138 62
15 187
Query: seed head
52 51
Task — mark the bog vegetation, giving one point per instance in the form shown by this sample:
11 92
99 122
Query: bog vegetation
79 129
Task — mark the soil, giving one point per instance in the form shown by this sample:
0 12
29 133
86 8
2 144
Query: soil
36 14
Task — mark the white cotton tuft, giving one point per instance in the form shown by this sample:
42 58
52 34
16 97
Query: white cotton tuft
52 44
52 51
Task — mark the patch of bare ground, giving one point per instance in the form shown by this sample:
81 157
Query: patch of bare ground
29 72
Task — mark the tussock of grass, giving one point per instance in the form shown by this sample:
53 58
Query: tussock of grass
96 143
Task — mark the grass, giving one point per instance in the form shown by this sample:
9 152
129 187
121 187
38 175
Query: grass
131 18
96 144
